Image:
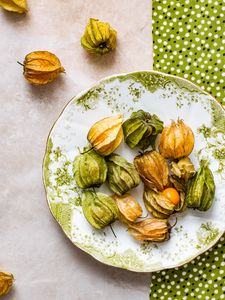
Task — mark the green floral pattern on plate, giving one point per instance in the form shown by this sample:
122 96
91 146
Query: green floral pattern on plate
169 97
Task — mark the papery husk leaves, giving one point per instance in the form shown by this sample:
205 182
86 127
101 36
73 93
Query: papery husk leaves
42 67
201 188
179 184
183 169
99 37
106 134
182 204
6 283
153 170
141 129
154 230
157 204
18 6
99 209
176 141
122 175
90 169
129 208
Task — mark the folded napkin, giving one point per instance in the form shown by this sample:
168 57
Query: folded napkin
189 41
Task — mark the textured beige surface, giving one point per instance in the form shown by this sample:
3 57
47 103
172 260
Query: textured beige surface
32 246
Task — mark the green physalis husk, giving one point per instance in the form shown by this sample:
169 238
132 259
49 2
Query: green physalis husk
99 209
99 37
141 129
90 169
122 175
201 188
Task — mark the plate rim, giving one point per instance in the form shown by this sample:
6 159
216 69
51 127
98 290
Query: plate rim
83 92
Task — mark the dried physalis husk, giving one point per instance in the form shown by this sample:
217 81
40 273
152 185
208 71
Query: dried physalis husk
122 175
157 204
129 208
154 230
177 140
89 168
182 205
141 129
183 169
99 37
181 172
99 209
153 170
18 6
201 188
6 282
179 183
106 135
41 67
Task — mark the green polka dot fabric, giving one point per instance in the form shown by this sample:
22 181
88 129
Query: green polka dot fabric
202 278
189 41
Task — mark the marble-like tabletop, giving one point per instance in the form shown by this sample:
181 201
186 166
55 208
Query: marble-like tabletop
32 246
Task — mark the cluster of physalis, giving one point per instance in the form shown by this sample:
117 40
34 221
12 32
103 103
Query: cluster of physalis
171 183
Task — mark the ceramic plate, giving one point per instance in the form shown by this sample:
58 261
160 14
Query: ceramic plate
169 97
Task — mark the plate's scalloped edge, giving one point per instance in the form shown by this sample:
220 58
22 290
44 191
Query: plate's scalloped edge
98 256
158 267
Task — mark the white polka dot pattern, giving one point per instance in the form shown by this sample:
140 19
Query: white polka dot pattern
196 280
189 41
